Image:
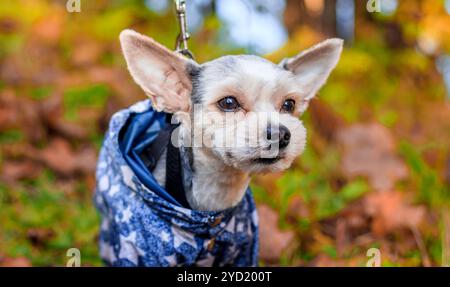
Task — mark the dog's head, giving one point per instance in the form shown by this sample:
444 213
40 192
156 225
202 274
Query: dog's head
244 109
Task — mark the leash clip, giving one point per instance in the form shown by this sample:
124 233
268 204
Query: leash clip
181 45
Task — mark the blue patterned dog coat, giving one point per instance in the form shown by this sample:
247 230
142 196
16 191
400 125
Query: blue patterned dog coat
142 225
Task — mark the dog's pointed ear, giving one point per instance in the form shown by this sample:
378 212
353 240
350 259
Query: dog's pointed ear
161 73
313 66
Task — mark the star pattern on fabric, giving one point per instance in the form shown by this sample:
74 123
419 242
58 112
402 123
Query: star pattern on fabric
255 217
102 165
164 236
103 183
231 225
127 214
207 261
99 199
171 259
113 190
129 249
180 236
107 252
104 225
240 227
127 174
232 254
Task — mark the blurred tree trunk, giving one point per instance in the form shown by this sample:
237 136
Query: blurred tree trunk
322 20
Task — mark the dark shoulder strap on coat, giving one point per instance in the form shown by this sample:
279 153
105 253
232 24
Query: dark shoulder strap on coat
174 181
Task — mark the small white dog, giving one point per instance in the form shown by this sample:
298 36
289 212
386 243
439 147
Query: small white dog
185 201
243 86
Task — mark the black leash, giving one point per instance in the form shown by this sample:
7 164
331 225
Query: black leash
174 181
150 156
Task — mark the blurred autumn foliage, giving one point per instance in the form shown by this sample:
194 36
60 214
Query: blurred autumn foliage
376 171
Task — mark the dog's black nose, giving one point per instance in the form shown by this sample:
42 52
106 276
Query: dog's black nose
284 135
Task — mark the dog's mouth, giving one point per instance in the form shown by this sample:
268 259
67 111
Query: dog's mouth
268 161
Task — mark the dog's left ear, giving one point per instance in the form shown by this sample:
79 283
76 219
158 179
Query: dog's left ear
161 73
313 66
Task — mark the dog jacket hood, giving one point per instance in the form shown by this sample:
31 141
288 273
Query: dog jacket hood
143 225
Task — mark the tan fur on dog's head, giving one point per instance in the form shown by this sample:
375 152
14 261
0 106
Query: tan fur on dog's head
243 105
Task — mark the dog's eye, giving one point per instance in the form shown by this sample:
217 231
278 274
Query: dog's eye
228 104
288 106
